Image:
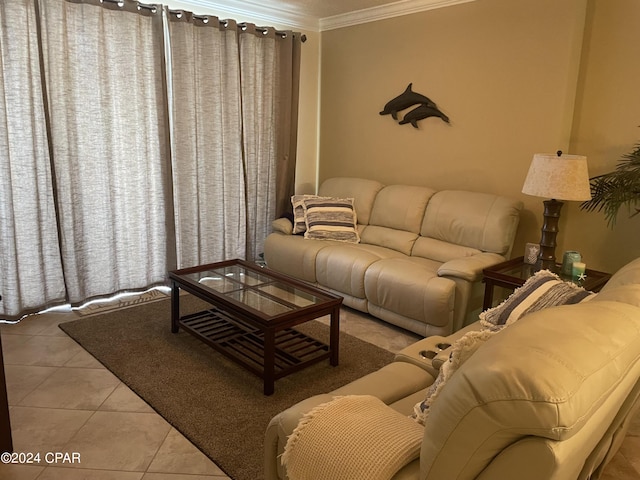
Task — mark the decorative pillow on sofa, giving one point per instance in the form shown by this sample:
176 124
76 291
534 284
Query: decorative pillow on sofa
297 202
331 219
542 290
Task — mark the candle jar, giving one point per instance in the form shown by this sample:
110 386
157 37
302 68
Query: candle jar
578 269
569 258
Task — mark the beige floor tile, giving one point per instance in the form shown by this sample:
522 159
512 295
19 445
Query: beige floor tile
11 343
39 350
119 440
619 468
44 429
123 399
33 325
84 359
372 330
23 379
19 472
634 428
73 388
42 324
630 448
62 473
178 455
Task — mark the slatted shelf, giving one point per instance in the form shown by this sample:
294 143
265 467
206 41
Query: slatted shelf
245 343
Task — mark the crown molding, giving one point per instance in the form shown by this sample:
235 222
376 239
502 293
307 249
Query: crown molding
396 9
262 12
269 11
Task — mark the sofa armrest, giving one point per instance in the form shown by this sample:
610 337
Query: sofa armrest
391 383
469 268
282 225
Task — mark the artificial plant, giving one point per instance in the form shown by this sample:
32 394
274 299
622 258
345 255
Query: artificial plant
612 190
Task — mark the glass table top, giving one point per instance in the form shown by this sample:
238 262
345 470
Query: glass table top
254 289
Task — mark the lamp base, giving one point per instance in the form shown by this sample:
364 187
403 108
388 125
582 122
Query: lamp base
547 255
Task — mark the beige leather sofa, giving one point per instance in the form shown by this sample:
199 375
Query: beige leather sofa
420 258
549 397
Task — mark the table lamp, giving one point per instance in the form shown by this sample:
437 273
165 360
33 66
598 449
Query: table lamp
557 177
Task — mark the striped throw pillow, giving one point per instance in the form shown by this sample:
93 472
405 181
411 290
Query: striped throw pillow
331 219
297 202
542 290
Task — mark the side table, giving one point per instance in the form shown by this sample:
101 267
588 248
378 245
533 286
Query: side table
513 273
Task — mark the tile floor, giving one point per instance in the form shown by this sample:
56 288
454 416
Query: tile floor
63 400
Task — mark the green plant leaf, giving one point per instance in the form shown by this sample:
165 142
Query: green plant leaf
621 187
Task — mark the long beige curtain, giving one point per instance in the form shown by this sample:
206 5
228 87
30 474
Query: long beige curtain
207 151
30 262
105 87
269 66
235 96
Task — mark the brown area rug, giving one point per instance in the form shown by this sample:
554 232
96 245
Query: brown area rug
213 402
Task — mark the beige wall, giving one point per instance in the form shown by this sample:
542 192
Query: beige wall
607 120
513 78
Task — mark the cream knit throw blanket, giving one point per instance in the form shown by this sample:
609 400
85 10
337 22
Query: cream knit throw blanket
354 437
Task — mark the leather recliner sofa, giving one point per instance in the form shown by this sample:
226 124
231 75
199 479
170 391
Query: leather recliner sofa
550 397
419 262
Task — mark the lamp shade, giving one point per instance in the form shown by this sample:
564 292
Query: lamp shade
564 177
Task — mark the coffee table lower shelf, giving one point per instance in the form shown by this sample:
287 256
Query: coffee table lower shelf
245 345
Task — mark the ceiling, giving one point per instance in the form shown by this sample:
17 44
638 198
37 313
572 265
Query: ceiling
321 15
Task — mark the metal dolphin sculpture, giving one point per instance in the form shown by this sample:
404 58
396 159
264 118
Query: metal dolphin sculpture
423 111
405 100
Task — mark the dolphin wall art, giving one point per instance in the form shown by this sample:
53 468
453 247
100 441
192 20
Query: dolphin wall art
408 98
423 111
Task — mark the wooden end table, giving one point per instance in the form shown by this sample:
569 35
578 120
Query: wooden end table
251 314
513 273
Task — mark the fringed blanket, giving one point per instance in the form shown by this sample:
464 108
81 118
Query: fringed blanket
351 438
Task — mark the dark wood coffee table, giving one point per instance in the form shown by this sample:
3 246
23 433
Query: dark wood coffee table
253 310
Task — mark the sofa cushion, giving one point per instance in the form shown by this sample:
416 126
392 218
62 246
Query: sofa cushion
398 240
410 287
400 207
294 255
396 217
341 267
362 191
629 274
329 218
542 290
478 220
544 376
440 251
